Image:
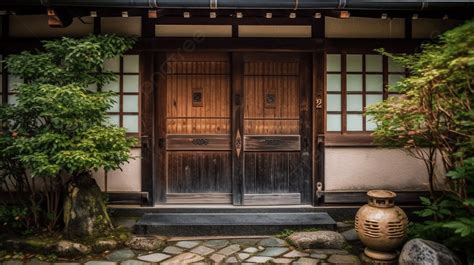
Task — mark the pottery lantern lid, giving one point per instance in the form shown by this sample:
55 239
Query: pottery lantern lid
381 194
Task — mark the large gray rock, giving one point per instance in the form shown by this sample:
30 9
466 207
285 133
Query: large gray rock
66 248
102 245
145 243
318 239
424 252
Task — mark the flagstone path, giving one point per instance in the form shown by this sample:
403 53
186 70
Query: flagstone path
250 250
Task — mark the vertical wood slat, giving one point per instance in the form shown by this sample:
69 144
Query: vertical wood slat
147 103
238 99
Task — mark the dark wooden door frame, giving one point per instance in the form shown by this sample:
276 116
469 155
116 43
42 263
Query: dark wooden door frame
153 108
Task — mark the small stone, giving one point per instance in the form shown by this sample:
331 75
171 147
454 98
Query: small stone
134 262
217 258
281 261
229 250
344 224
155 257
260 248
102 245
344 259
318 239
420 251
251 250
273 252
216 244
172 250
350 235
69 249
231 260
120 255
272 242
202 250
295 254
67 263
243 256
144 243
259 259
184 258
319 256
329 251
245 241
100 262
187 244
306 261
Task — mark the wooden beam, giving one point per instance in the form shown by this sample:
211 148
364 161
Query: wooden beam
318 106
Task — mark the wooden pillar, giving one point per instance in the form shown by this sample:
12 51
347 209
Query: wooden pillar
319 107
237 129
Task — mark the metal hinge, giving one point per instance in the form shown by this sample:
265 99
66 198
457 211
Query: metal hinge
319 190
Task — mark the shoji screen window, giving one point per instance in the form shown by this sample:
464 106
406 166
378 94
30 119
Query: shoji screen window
125 112
12 83
354 81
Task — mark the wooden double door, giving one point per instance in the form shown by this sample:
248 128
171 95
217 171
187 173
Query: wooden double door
235 128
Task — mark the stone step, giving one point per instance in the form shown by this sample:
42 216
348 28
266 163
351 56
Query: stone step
231 224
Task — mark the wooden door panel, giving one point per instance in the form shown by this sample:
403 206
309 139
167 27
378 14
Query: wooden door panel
274 159
197 172
198 131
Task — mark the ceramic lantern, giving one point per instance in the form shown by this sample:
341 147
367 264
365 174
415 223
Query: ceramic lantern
381 226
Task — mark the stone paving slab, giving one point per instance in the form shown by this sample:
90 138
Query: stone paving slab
269 250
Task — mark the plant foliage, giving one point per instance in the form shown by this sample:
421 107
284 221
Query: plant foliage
435 117
58 129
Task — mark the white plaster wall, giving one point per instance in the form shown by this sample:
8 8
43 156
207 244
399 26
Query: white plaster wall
428 28
359 27
128 26
36 26
360 169
128 179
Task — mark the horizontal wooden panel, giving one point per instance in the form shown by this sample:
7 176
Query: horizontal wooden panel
272 143
225 198
260 126
208 125
272 199
198 142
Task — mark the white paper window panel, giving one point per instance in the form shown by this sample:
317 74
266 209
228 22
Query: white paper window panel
370 124
394 66
373 99
354 103
334 102
373 63
130 83
131 64
116 105
12 99
354 122
130 122
354 82
333 82
113 86
333 122
354 62
112 64
374 83
113 120
333 62
130 103
393 79
13 82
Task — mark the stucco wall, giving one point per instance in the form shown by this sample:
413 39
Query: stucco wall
359 27
360 169
37 26
129 179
